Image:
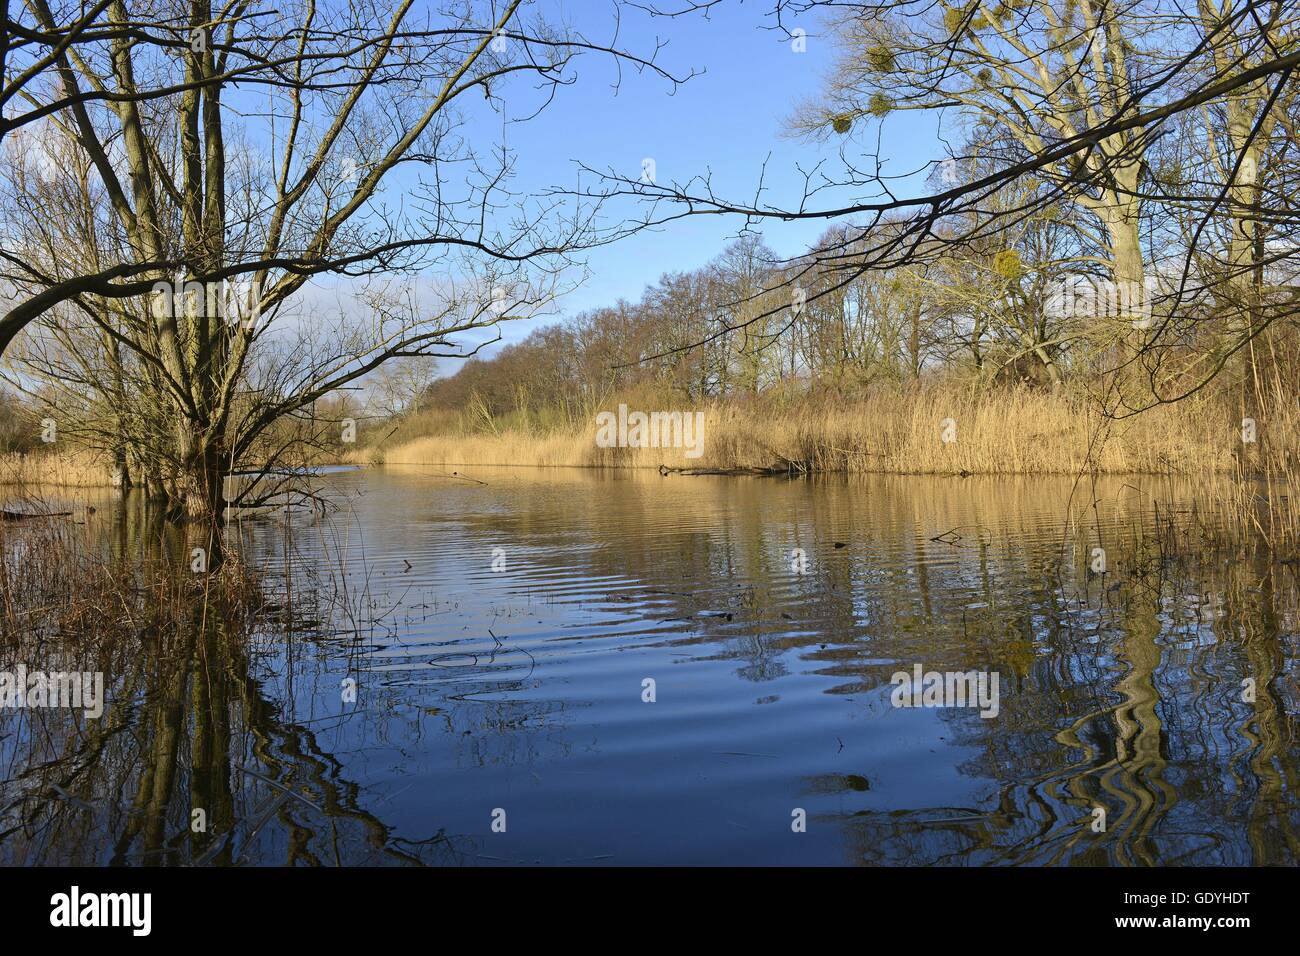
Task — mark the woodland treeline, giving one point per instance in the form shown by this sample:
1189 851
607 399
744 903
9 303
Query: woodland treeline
1158 261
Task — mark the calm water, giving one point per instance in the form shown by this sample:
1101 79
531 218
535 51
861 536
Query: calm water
500 635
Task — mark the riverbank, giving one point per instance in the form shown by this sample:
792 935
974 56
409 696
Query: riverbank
1009 432
925 431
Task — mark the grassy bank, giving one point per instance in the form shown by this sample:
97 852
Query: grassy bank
1012 431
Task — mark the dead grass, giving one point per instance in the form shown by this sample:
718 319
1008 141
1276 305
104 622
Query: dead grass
1015 431
76 469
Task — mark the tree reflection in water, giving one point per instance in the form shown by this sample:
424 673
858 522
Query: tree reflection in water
197 760
1121 691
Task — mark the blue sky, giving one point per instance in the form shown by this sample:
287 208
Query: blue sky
727 121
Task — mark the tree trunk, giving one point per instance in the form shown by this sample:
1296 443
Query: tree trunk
200 489
121 477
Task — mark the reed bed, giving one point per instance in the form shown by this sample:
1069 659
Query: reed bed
74 469
1014 431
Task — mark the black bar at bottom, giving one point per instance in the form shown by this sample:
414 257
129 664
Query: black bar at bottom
349 906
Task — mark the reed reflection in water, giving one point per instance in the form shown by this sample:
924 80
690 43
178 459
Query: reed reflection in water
499 631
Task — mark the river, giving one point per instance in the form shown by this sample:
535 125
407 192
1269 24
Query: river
522 666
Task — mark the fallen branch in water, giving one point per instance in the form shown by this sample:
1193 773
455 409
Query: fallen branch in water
458 476
746 470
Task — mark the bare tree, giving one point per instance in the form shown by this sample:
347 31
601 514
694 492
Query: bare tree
1068 97
217 204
